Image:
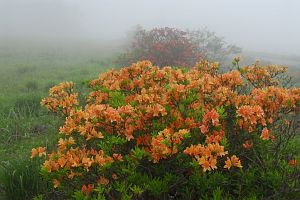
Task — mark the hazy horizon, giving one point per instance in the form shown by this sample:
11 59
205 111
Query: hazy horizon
264 26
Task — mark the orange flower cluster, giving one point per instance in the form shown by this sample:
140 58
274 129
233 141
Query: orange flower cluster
165 112
206 67
86 189
210 118
233 161
275 100
263 76
206 156
61 98
165 143
250 117
76 158
40 151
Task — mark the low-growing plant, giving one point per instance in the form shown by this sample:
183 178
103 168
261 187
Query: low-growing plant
147 132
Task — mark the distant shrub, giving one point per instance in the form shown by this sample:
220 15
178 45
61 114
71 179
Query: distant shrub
174 47
176 133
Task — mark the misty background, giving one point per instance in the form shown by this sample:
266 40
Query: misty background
259 27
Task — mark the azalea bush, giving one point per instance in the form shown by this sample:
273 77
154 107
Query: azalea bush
146 132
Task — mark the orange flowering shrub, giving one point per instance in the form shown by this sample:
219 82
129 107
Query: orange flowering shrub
142 123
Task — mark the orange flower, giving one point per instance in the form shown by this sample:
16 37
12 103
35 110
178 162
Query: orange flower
270 120
117 157
86 189
204 164
63 143
211 116
87 162
247 145
40 151
227 163
213 162
61 161
144 140
193 150
204 128
71 175
265 134
233 161
34 153
293 162
55 183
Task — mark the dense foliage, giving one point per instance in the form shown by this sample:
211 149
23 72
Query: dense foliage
146 132
174 47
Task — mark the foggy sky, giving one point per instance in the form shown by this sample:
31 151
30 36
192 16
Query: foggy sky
259 25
